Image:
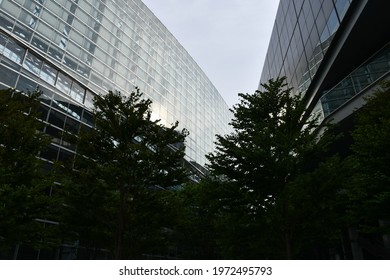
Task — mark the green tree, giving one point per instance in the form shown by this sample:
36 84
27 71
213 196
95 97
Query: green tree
369 190
23 184
120 163
274 142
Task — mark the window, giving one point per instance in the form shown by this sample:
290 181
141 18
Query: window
63 83
32 63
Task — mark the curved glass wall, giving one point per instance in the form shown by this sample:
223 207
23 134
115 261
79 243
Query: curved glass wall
302 33
74 49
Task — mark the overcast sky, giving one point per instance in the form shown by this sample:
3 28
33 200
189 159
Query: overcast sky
227 38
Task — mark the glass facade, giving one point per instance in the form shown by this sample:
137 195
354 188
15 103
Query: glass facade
75 49
329 50
302 34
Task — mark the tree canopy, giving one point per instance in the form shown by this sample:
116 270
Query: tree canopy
23 184
274 144
126 156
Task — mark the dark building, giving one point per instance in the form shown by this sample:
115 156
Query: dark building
335 52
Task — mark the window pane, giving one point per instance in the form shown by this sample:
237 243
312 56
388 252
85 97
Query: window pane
77 92
14 52
26 85
32 63
57 119
8 76
48 74
63 83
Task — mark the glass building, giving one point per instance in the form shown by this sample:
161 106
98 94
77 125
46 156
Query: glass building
75 49
333 51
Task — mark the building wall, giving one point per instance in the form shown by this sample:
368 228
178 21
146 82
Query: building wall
74 49
302 33
321 45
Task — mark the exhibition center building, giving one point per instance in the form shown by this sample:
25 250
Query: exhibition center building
73 50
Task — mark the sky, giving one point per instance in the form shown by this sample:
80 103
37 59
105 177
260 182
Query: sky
228 39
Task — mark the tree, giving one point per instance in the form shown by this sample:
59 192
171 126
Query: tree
274 142
126 157
23 184
368 189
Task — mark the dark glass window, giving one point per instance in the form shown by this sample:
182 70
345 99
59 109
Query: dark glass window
39 43
71 63
72 125
56 53
60 103
50 153
55 133
8 76
46 95
87 118
22 32
14 52
43 112
26 85
75 111
57 119
4 22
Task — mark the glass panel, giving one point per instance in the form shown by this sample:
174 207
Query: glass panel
56 53
75 111
26 85
32 63
55 133
14 52
23 32
71 63
8 76
63 83
87 118
89 99
43 112
60 103
72 125
3 42
5 23
46 95
57 119
77 92
342 7
38 42
48 74
10 8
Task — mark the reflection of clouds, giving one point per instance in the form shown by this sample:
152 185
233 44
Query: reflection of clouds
61 105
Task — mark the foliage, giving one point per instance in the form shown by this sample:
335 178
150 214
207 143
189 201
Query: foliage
271 157
119 168
23 184
368 190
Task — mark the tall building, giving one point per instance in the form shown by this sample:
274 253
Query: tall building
75 49
335 52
